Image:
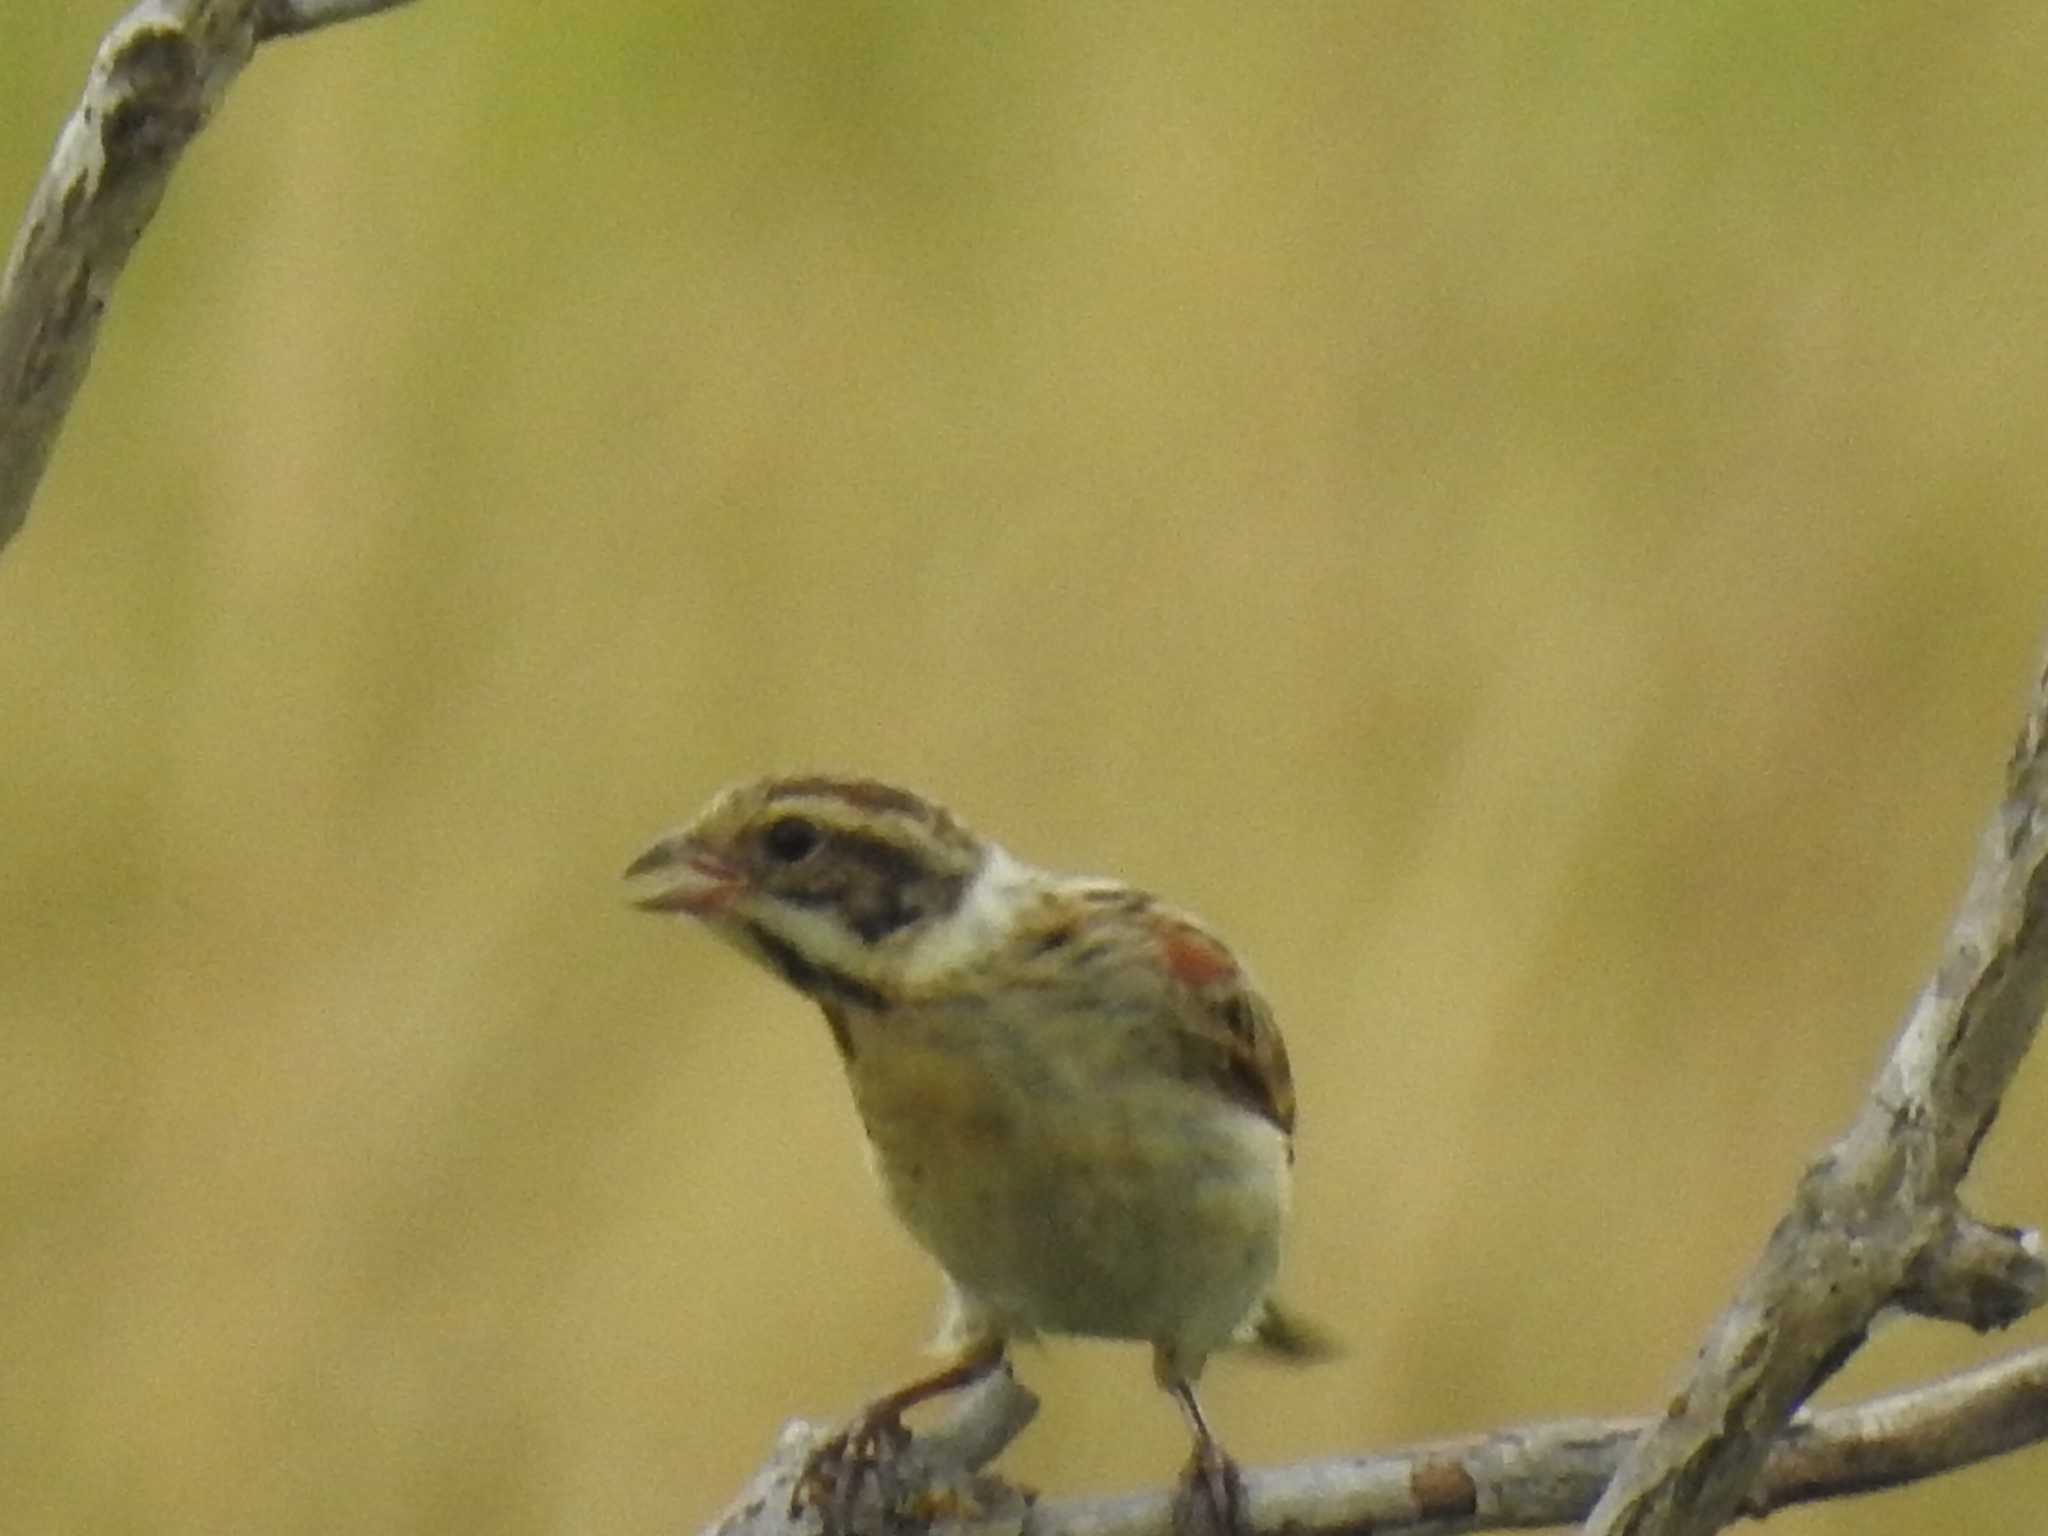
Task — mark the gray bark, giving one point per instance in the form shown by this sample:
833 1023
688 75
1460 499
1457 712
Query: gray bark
158 77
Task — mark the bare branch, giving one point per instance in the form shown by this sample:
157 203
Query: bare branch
1550 1474
1538 1475
1909 1435
1875 1221
155 82
288 18
1975 1274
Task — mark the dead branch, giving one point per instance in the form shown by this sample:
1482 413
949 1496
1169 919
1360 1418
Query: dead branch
157 79
1875 1222
1514 1479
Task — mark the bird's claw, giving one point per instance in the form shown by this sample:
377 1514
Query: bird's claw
1210 1499
836 1473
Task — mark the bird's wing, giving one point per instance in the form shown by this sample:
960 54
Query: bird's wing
1225 1030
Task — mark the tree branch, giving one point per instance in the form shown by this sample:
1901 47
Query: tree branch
1875 1221
157 79
1537 1475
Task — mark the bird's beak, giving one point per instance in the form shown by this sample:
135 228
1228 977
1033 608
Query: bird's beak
679 874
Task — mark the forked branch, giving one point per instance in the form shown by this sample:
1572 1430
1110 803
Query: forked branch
1876 1222
1537 1475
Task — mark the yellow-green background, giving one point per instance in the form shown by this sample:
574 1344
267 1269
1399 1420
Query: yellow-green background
1533 519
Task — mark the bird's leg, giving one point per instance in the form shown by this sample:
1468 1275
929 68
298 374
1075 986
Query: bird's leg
1210 1500
833 1474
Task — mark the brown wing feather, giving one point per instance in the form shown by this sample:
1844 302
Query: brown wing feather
1239 1034
1227 1034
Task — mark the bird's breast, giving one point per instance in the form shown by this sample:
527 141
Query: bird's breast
1062 1176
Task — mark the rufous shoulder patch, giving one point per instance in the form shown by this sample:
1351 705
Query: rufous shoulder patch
1195 959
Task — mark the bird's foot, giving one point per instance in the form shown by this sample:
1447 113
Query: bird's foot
1210 1498
860 1459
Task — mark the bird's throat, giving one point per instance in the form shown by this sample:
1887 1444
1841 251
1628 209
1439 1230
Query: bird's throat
823 983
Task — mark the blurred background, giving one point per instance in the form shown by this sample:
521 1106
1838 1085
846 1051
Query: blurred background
1530 521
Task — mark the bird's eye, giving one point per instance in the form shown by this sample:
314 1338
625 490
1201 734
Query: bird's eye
790 840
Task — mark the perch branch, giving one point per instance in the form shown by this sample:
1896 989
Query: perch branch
1537 1475
156 80
1875 1222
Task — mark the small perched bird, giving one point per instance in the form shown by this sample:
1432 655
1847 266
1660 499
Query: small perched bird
1073 1095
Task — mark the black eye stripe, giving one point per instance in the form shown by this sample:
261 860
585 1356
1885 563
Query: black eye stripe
888 861
872 881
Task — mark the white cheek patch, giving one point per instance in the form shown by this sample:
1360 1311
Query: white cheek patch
986 913
820 938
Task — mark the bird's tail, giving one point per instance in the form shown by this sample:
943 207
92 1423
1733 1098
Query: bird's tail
1280 1333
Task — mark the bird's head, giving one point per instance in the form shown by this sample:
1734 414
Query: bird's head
846 888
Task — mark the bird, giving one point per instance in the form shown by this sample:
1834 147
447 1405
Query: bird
1074 1096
